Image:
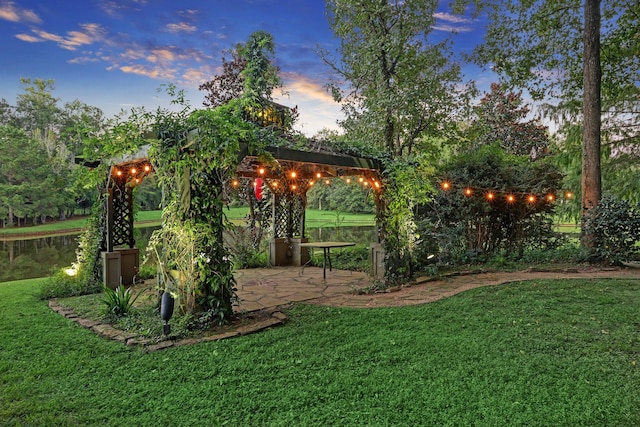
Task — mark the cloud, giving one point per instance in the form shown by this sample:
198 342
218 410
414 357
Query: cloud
306 87
88 34
449 17
28 38
453 23
317 108
10 12
113 8
152 72
182 27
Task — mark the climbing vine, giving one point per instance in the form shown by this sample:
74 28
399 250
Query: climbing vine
195 156
405 186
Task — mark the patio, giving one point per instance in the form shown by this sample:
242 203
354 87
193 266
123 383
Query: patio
262 288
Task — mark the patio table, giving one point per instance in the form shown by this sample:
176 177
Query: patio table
326 248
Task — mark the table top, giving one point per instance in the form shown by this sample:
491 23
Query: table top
327 244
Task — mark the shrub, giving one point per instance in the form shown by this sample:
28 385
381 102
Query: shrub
355 258
61 285
469 227
118 302
615 227
243 249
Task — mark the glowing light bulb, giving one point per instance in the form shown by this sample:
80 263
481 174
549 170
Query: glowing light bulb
318 175
491 196
569 195
261 171
133 171
147 168
531 199
293 174
445 185
511 198
550 198
468 192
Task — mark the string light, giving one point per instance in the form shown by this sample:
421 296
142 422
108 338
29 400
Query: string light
261 171
293 174
509 197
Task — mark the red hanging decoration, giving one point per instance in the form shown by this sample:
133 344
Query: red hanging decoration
258 188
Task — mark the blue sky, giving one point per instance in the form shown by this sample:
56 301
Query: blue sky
115 54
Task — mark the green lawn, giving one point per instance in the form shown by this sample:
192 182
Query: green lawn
315 219
538 353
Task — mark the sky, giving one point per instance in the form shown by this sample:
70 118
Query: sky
116 55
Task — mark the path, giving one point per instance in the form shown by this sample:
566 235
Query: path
265 288
426 291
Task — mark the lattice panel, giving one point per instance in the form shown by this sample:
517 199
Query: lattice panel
297 206
121 217
288 214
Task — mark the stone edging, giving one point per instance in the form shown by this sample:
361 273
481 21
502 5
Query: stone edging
133 340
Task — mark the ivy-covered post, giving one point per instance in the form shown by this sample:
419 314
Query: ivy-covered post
404 185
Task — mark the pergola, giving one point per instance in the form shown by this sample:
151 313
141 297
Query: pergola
291 174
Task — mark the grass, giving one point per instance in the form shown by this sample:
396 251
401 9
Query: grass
538 353
314 218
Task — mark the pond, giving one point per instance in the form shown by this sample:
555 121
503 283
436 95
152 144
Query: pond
32 258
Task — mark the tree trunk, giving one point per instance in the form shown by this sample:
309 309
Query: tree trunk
592 74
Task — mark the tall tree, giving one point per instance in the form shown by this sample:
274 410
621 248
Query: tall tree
397 88
260 76
227 85
37 109
25 178
501 117
401 85
553 49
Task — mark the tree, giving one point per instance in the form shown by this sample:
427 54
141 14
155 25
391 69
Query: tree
36 109
25 181
553 48
401 86
260 75
500 118
227 85
401 89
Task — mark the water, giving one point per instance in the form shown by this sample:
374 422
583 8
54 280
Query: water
32 258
